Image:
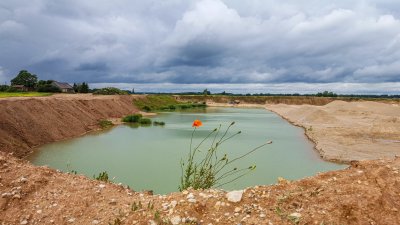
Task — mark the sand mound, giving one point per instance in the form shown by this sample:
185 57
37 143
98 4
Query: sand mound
28 122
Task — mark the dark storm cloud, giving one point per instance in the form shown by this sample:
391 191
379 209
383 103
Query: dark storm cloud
204 41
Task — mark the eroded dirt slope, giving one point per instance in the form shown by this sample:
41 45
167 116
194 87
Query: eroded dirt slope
28 122
365 193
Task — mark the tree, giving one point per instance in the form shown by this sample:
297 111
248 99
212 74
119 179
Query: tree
75 87
25 78
83 88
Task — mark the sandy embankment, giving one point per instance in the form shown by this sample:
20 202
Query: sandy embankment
29 122
345 131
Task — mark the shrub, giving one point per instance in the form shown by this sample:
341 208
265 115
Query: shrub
103 176
48 88
110 91
158 123
211 170
4 88
105 124
145 121
132 118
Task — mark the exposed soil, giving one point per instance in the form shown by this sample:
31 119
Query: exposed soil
28 122
346 131
366 193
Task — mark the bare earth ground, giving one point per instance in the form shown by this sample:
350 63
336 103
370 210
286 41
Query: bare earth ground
345 131
27 122
366 193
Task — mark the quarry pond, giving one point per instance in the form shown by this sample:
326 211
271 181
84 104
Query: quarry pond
148 157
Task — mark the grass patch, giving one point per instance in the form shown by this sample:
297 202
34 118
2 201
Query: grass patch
23 94
163 103
105 124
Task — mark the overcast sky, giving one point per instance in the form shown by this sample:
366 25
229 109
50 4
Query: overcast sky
348 46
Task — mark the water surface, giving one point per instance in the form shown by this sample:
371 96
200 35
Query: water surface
148 158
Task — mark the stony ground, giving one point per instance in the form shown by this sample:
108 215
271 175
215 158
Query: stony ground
366 193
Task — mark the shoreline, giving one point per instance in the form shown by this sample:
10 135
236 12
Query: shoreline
259 106
342 132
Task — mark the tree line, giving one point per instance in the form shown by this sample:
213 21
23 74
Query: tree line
30 82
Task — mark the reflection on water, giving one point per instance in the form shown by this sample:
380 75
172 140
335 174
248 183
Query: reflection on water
147 158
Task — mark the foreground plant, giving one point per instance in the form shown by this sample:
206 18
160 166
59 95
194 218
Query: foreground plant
211 170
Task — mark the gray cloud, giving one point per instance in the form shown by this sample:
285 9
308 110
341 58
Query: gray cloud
204 41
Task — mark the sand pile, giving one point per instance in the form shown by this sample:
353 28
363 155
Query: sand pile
28 122
345 131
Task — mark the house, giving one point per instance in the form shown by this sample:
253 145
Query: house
22 87
65 87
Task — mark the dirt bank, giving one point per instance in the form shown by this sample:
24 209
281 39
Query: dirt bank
345 131
366 193
29 122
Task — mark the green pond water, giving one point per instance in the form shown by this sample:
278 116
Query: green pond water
148 158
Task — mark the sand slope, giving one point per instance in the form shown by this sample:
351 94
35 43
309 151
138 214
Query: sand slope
28 122
345 131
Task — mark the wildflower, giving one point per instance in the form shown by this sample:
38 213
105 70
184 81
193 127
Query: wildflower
197 123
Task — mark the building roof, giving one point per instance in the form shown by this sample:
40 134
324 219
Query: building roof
62 85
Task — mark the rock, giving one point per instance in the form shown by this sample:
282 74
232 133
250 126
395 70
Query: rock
5 195
23 180
95 222
262 215
24 222
175 220
190 195
295 215
71 220
39 211
102 186
234 196
152 222
238 209
17 196
113 202
173 204
185 192
192 200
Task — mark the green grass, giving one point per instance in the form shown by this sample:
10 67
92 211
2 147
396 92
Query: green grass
23 94
105 124
162 103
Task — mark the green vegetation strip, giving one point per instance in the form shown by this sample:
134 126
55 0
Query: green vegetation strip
162 103
23 94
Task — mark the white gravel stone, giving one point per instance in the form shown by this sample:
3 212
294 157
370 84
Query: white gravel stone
190 195
234 196
176 220
295 215
24 222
